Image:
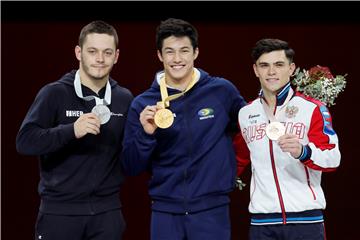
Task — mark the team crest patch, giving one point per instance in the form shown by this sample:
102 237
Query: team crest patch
291 111
205 113
327 121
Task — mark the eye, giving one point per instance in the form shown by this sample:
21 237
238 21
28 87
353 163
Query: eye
263 65
108 53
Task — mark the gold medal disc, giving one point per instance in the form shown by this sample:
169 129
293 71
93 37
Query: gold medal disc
164 118
274 130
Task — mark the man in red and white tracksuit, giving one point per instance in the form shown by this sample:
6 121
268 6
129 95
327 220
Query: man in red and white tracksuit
286 198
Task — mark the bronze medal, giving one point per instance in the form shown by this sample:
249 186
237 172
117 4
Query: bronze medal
274 130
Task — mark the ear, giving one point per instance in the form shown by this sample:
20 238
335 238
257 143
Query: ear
160 56
255 70
78 52
117 53
292 69
196 53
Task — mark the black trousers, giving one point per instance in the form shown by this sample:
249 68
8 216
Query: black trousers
104 226
308 231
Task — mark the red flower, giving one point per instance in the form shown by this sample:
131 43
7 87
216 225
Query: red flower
319 72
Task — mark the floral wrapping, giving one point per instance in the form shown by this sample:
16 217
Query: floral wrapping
319 83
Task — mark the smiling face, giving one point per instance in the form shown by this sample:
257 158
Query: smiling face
177 56
97 56
273 70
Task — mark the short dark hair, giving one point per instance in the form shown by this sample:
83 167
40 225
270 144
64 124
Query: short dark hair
178 28
267 45
98 27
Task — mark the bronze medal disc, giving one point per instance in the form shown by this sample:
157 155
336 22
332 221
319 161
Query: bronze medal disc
275 130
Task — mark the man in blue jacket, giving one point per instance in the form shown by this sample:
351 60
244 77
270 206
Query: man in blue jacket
76 126
180 130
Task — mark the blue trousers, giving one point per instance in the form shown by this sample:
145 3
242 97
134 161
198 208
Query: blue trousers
104 226
211 224
308 231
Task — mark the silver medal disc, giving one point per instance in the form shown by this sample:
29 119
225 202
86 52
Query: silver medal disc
274 130
102 112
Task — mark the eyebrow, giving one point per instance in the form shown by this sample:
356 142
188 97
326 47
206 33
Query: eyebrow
170 48
267 63
94 48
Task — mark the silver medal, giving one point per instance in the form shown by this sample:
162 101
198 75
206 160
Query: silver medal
102 112
274 130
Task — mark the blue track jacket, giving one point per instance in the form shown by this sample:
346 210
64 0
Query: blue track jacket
192 162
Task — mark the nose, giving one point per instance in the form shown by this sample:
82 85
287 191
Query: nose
271 70
100 57
177 57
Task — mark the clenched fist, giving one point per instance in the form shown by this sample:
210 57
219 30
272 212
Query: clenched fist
147 119
87 123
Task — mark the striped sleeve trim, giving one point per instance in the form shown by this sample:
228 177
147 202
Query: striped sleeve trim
306 153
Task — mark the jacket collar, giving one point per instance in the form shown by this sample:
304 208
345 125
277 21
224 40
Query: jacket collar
201 75
281 96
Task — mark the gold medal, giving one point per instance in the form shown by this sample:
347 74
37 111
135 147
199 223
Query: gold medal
274 130
164 118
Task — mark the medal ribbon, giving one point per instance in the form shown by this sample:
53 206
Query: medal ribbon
270 114
107 97
165 98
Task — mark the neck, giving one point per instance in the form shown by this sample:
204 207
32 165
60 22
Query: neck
94 84
180 84
270 99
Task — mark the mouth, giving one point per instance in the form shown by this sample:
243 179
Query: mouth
99 66
272 80
177 67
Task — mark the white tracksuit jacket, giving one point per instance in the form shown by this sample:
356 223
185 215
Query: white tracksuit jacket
284 189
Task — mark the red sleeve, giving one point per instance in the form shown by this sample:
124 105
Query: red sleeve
319 127
242 153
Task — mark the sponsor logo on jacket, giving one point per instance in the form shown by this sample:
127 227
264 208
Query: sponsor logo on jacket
206 113
77 113
73 113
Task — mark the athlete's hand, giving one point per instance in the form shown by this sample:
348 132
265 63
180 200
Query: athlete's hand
87 123
290 143
147 119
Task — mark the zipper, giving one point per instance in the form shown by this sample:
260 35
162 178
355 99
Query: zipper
253 184
281 201
190 150
277 182
308 182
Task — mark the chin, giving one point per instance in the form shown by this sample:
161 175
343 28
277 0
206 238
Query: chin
99 77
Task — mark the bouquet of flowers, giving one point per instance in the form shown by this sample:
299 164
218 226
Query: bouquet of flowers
319 83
